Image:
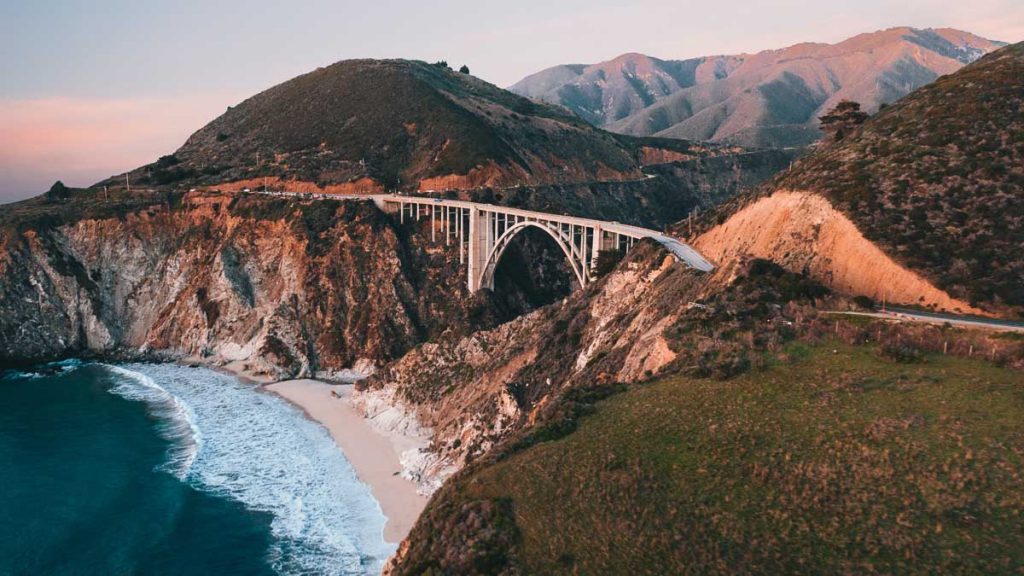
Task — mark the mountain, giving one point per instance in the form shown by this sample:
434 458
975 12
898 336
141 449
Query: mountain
933 185
371 124
772 98
610 91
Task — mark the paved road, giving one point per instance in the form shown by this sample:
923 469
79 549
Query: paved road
908 315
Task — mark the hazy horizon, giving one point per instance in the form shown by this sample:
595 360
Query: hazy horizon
91 91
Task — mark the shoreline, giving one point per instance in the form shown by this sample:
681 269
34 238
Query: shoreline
374 456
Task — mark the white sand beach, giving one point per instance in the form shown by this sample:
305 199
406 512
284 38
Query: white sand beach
374 456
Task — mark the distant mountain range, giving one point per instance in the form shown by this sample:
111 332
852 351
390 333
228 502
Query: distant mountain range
772 98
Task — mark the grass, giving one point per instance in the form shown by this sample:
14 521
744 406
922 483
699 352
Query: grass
835 460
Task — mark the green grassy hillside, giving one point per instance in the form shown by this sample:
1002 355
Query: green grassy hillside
833 460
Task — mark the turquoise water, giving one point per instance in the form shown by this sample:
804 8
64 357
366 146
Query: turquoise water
161 469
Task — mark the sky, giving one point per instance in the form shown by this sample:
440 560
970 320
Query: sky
89 89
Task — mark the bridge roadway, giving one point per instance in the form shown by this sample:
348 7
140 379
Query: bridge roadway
484 231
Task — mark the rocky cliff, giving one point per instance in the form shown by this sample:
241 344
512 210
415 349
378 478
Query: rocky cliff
286 287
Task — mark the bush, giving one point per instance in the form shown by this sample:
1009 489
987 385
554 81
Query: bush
864 302
904 353
606 261
58 192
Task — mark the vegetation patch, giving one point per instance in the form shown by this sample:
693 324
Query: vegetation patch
843 462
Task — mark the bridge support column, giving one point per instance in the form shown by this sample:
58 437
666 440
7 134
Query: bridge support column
603 241
479 234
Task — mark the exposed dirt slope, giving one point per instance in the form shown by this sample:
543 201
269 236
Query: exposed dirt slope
802 231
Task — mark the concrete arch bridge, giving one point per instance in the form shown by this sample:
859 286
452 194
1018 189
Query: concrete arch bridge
484 231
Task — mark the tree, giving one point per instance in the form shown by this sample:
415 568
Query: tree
464 69
606 261
441 64
57 192
842 120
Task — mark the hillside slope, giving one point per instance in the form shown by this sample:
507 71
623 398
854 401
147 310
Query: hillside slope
364 125
937 180
834 460
930 193
501 402
772 98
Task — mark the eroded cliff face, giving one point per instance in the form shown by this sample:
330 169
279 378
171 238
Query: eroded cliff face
475 391
280 287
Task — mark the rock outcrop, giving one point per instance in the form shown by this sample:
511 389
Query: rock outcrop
282 287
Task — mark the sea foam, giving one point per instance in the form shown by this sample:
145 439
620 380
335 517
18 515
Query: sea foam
234 440
176 420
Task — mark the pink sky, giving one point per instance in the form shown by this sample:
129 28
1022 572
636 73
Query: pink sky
92 89
81 141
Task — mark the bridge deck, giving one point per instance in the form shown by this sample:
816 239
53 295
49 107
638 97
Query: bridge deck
680 250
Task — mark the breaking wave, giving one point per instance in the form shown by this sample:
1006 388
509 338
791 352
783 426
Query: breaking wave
236 441
176 422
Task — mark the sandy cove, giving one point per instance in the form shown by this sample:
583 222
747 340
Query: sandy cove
374 455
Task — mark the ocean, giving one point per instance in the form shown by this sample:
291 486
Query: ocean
162 469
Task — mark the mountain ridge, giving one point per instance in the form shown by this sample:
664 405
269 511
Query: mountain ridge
771 98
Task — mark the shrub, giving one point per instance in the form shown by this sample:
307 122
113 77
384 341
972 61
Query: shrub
904 353
864 302
58 192
606 261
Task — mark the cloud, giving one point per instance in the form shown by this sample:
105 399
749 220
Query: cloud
81 141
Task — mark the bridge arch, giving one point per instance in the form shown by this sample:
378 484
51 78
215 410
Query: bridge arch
568 248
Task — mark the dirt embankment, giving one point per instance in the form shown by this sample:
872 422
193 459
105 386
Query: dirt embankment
804 232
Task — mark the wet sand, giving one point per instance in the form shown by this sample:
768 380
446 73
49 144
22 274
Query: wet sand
373 455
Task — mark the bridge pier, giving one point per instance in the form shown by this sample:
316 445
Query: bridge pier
479 246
